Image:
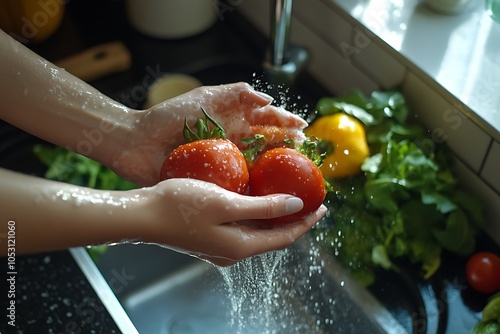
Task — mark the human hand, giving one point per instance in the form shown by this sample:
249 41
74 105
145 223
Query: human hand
216 225
238 108
191 216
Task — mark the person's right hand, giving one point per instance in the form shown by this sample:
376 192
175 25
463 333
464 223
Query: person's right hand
155 132
219 226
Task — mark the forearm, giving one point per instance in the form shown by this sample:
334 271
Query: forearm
52 104
51 215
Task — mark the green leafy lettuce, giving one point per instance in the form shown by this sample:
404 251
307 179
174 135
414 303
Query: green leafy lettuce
73 168
406 205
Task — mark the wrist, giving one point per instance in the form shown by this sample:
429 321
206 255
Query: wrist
105 138
98 216
51 215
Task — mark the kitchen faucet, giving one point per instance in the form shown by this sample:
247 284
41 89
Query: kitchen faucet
284 61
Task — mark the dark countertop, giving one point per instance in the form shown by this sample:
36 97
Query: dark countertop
53 296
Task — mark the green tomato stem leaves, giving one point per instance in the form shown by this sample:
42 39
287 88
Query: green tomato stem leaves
204 130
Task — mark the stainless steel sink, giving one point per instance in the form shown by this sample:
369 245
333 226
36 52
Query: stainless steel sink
150 289
298 290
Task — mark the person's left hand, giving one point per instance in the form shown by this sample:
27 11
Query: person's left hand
238 108
214 224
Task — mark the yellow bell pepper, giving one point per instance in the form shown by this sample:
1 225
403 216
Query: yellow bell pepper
348 138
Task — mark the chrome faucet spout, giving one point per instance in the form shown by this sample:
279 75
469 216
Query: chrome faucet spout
284 61
281 16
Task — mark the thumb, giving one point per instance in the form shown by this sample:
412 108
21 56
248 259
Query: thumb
264 207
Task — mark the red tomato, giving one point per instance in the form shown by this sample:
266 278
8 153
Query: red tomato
483 272
213 160
287 171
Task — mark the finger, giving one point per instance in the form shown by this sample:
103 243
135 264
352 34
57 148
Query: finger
280 237
231 96
276 116
244 241
255 99
264 207
254 241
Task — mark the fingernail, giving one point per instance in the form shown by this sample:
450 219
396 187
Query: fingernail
254 99
265 96
292 205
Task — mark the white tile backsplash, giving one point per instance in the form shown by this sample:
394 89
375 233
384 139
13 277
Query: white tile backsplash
258 13
490 199
491 168
388 71
323 21
354 43
330 67
446 123
343 59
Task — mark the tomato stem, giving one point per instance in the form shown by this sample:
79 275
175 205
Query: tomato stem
203 129
254 145
311 149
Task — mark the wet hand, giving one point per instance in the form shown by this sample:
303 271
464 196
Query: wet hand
216 225
238 108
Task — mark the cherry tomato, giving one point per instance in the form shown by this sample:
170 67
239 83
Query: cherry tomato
483 272
213 160
287 171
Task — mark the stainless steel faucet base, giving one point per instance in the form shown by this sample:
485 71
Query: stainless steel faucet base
286 73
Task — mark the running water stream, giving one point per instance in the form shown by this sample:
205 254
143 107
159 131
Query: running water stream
287 291
267 293
264 291
251 287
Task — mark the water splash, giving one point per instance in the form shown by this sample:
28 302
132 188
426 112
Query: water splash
288 291
278 292
251 286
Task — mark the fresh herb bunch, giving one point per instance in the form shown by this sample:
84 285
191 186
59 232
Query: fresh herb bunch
406 204
73 168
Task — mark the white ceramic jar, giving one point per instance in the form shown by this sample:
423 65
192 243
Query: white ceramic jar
171 19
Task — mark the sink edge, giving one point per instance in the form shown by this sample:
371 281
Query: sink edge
103 290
